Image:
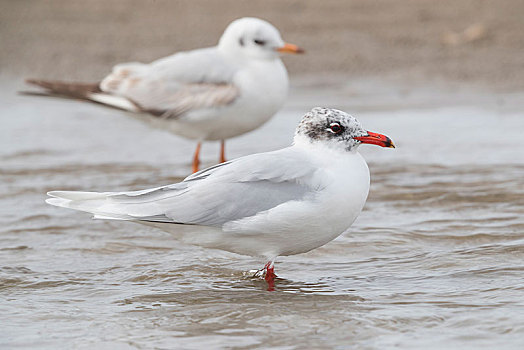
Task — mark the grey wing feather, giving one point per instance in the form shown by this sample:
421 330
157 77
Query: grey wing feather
194 96
197 66
177 84
224 193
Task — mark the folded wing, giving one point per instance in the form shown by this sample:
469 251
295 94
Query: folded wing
213 197
176 84
166 88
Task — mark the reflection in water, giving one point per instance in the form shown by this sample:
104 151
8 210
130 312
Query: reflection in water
436 256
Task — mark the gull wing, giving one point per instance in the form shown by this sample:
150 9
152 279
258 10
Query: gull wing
175 85
228 192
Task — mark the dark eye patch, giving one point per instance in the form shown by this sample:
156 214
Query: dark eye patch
259 42
336 128
241 41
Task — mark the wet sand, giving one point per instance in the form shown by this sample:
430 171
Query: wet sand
478 42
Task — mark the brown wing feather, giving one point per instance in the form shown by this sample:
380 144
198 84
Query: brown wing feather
73 90
189 97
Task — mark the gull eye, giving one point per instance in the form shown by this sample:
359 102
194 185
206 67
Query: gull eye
336 128
259 42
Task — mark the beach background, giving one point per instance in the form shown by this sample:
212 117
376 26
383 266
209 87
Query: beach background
434 260
472 41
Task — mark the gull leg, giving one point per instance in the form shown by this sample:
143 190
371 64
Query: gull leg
269 276
222 151
196 158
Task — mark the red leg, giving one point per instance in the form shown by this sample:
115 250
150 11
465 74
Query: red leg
222 151
270 276
196 158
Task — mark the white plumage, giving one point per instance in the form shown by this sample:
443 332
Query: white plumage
212 93
268 204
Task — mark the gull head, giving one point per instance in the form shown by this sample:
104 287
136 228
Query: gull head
336 130
254 38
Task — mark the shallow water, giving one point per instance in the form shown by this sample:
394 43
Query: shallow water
436 258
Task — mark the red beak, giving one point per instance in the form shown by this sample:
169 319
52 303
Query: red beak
376 139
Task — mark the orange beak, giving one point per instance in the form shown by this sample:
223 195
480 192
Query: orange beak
376 139
290 48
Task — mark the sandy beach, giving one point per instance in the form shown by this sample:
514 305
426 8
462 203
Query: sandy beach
467 41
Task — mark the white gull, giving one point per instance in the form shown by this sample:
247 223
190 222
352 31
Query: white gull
284 202
210 94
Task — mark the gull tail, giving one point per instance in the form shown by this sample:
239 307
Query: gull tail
80 91
95 203
130 206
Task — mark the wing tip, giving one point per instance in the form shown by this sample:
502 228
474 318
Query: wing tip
53 194
57 202
31 81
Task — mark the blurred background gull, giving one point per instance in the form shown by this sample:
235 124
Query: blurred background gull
435 257
467 41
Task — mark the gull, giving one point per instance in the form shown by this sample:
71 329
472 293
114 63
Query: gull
208 94
270 204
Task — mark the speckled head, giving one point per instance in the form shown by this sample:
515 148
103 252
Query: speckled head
336 129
